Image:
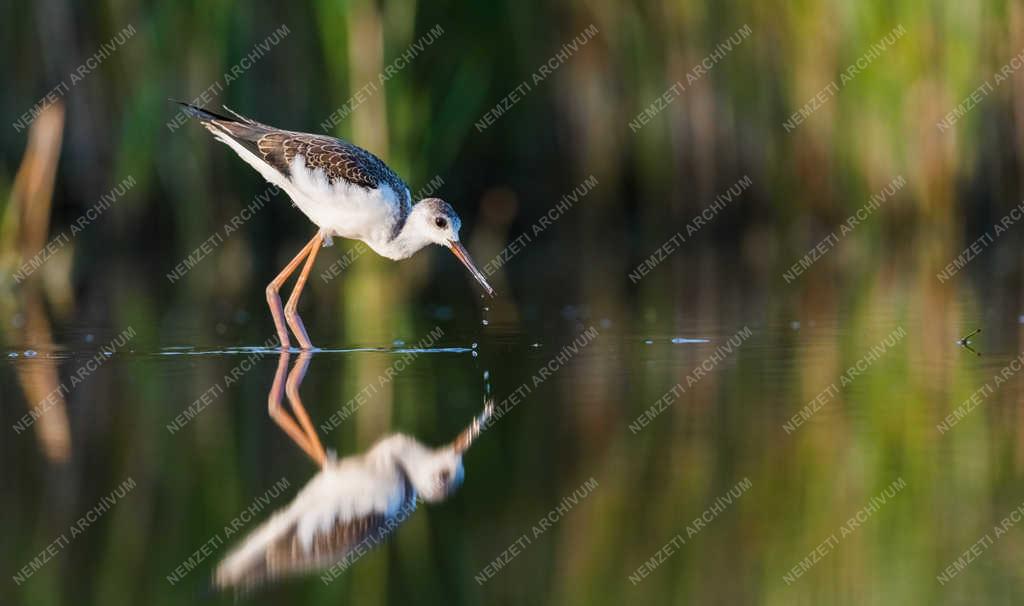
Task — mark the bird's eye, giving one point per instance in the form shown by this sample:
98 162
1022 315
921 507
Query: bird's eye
441 222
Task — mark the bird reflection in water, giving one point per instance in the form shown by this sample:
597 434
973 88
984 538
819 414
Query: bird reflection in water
352 504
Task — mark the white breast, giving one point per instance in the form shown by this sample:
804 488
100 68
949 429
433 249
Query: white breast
344 209
340 209
348 491
343 491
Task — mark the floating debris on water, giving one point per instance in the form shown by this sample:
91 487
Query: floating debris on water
965 342
31 353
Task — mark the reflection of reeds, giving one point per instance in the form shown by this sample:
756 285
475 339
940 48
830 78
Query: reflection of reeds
28 217
39 381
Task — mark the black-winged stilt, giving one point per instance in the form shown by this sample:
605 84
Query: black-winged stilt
346 191
352 504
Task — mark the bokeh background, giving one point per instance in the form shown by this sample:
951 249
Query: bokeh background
572 125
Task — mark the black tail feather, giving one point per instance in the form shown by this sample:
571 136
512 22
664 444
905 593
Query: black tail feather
203 114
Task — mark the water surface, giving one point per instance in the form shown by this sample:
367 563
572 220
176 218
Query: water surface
787 445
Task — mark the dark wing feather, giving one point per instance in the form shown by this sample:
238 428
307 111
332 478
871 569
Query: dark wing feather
286 556
340 160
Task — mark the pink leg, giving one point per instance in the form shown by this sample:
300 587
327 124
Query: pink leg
291 307
274 300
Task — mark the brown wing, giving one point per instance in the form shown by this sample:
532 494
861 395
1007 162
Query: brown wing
287 557
337 549
338 159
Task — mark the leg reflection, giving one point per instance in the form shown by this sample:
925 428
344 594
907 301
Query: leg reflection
281 416
295 378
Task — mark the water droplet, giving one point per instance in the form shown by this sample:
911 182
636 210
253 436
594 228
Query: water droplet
398 342
648 341
487 308
89 338
475 354
108 353
535 345
13 354
474 345
30 353
484 322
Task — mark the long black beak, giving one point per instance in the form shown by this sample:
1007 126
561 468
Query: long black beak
460 251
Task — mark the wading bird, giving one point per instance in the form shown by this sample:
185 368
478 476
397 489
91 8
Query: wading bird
351 505
343 189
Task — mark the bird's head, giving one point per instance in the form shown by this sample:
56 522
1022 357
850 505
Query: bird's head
437 475
437 222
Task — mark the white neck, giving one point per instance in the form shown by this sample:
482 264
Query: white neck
419 462
406 243
400 449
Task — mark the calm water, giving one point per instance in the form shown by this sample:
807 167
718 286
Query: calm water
645 452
